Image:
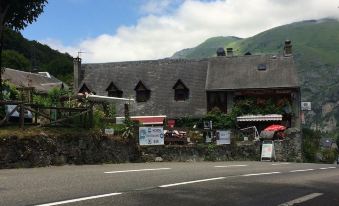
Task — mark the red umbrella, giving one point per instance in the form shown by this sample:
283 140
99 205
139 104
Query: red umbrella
275 127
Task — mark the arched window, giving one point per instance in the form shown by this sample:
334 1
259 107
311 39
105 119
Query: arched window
113 91
142 93
181 92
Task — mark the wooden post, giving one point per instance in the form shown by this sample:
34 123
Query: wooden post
36 115
22 116
126 110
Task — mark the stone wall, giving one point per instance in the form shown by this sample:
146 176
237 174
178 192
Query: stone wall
45 150
289 150
201 152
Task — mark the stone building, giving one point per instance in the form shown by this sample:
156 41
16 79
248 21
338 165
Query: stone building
178 87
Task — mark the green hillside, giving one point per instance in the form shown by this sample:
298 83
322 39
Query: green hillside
206 49
22 54
316 54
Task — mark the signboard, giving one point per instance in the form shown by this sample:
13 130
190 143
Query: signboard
267 150
223 137
306 106
207 124
209 136
151 136
109 131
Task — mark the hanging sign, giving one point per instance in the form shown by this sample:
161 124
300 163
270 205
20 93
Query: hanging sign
151 136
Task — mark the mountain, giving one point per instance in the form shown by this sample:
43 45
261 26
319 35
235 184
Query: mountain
206 49
22 54
316 54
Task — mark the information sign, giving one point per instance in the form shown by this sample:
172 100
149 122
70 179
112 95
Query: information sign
223 137
151 136
267 150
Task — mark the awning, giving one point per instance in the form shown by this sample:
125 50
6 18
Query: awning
144 120
259 118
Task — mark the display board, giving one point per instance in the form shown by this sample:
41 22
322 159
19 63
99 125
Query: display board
267 150
223 137
151 136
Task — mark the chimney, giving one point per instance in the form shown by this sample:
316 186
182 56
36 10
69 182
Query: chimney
288 48
229 52
221 52
77 73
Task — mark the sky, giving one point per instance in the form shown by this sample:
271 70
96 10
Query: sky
128 30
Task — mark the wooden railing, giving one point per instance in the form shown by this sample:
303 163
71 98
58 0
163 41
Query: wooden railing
57 116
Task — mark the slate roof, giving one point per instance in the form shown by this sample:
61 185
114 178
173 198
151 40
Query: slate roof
251 72
159 76
40 82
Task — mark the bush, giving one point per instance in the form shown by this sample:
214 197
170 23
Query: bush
310 144
98 117
188 122
329 155
211 152
196 136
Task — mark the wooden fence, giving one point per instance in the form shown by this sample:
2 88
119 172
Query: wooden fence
55 116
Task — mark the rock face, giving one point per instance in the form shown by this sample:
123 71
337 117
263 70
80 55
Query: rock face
45 150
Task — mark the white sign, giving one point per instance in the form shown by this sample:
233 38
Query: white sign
223 137
109 131
151 136
267 150
209 136
306 106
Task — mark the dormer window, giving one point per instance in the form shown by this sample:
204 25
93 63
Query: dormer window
181 92
142 93
113 91
84 89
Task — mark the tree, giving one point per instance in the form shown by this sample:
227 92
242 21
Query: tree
16 15
15 60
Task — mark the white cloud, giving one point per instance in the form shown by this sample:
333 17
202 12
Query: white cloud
155 6
57 45
159 35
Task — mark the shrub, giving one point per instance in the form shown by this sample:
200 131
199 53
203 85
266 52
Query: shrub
310 144
329 155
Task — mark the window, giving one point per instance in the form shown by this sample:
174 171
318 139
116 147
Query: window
142 93
113 91
217 100
262 67
181 92
84 89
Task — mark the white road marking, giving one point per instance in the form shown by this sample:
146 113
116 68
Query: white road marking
326 168
79 199
140 170
302 170
284 163
191 182
220 166
257 174
301 199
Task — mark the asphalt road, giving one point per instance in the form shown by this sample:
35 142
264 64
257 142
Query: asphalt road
194 183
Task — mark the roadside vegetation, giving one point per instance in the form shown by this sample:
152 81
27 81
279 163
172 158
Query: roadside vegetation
312 150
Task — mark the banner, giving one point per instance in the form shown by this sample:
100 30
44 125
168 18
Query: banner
223 137
151 136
